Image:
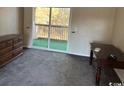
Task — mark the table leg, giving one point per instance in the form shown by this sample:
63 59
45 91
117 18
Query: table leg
98 74
91 57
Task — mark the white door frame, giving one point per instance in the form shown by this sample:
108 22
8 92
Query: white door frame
69 30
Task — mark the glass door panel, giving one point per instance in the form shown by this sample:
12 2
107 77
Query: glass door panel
58 38
41 27
42 15
60 16
41 36
59 28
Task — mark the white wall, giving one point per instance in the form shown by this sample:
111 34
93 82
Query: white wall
10 21
92 24
28 19
118 36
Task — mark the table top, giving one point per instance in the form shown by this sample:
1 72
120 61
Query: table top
106 50
7 37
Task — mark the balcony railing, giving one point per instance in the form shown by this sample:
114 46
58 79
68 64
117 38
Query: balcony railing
56 32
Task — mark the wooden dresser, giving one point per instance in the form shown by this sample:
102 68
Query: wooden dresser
11 46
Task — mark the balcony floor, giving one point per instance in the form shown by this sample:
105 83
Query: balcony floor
54 44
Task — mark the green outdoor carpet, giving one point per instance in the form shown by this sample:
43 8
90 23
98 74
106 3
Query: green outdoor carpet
54 44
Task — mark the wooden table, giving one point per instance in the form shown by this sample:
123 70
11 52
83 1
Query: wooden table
101 58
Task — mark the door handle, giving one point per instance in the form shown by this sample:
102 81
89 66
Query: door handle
72 31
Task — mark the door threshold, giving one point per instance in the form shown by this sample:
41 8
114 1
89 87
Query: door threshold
52 50
58 51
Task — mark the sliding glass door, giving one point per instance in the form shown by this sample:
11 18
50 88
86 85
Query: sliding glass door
51 26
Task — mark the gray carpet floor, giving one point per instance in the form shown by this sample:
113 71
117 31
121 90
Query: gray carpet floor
44 68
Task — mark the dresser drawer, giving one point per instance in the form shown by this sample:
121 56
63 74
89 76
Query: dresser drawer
16 40
5 50
3 45
9 43
17 45
6 57
5 60
17 51
6 44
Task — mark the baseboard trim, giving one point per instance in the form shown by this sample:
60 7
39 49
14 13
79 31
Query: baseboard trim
79 54
70 53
